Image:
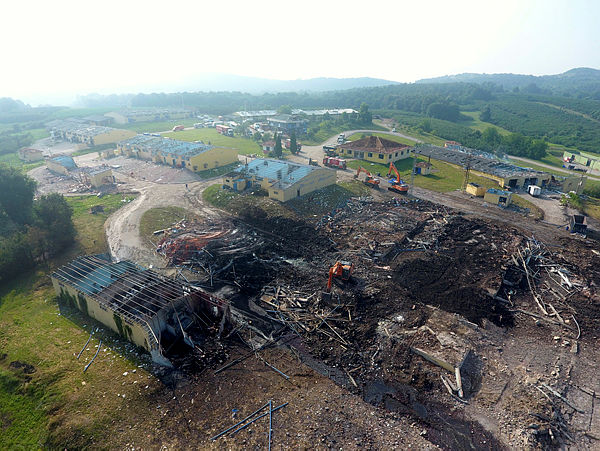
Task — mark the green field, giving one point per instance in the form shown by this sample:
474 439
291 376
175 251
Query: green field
398 139
476 124
54 404
444 176
12 159
244 146
161 218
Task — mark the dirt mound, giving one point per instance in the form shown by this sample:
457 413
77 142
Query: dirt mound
26 367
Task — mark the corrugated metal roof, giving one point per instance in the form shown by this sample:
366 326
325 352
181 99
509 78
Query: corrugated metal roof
284 172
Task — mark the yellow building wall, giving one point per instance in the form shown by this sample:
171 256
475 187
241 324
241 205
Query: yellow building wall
494 198
213 158
478 191
55 167
113 136
576 184
387 158
101 178
315 180
130 330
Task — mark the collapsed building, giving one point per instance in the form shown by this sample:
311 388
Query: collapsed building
84 132
506 175
146 308
282 179
89 177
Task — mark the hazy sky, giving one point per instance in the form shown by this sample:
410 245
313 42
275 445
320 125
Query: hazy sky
55 48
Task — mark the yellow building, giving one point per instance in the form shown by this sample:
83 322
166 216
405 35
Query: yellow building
140 305
374 149
476 190
81 131
61 164
182 154
283 180
498 197
29 155
100 176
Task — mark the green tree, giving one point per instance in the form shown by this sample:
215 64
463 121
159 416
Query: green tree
364 115
16 194
284 109
491 137
278 151
53 215
293 144
486 114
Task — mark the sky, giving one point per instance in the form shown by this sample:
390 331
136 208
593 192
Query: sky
54 50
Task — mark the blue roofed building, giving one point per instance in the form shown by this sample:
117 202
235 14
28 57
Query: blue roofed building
195 156
283 180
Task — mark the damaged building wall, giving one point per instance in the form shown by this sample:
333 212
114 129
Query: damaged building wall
125 327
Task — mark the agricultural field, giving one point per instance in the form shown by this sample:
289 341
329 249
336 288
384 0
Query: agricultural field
156 127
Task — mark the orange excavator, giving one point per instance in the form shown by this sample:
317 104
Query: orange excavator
370 180
397 186
341 269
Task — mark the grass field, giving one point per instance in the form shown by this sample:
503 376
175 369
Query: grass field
444 176
534 211
244 146
477 124
11 159
398 139
156 127
161 218
55 404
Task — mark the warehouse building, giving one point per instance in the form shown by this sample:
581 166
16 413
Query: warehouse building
80 131
287 123
148 309
97 177
498 197
591 161
131 115
283 180
374 149
506 175
182 154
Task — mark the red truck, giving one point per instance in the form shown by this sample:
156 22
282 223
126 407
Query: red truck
225 130
334 162
178 128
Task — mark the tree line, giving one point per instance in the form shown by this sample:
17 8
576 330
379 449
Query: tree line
31 230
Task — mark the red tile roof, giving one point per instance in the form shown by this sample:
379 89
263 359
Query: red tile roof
374 144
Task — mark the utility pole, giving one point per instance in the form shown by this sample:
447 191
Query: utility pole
467 172
412 173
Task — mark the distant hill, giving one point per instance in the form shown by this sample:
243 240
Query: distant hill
579 81
255 85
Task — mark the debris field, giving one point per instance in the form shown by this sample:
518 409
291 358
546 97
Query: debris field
471 328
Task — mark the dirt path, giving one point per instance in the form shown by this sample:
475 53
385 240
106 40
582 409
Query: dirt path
122 227
554 168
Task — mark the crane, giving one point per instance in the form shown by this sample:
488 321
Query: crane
397 186
369 180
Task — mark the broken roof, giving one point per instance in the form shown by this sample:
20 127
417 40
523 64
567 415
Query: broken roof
123 287
374 144
164 145
282 172
65 161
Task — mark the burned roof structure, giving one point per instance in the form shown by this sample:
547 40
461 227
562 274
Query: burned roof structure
143 306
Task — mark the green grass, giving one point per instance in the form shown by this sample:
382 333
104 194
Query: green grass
244 146
161 218
325 133
591 207
59 406
219 197
398 139
12 159
156 127
38 133
90 227
534 211
477 124
444 177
